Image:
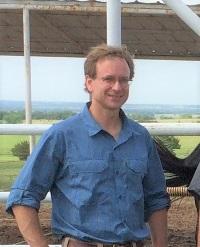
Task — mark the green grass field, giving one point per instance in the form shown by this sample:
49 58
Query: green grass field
8 172
9 164
7 142
188 144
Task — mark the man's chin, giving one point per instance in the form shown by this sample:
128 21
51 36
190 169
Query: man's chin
115 106
117 103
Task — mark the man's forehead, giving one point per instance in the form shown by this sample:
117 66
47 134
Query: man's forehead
102 64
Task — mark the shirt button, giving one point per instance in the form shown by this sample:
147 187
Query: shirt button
120 197
117 172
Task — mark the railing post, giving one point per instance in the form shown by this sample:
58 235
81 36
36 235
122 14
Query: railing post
27 59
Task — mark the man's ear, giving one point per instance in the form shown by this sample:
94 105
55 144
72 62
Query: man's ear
88 83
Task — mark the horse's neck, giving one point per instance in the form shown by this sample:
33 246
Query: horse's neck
193 159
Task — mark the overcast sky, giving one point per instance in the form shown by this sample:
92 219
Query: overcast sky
61 79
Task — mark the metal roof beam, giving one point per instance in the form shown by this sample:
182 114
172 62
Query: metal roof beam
186 14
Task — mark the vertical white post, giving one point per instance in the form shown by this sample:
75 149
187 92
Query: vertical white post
197 202
114 22
185 13
28 105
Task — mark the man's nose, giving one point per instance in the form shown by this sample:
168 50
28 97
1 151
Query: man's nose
117 85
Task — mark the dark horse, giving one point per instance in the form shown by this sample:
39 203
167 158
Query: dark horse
182 169
183 172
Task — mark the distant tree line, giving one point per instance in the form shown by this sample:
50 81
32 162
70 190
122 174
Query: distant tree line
142 117
14 117
52 115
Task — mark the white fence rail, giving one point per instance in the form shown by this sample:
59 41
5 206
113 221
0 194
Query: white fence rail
4 197
12 245
177 129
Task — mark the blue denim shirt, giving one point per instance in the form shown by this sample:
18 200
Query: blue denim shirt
102 189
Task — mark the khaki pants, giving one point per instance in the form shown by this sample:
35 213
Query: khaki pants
70 242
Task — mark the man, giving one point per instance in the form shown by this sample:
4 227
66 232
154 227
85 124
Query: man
102 169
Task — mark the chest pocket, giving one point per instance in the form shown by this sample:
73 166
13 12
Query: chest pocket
86 166
84 182
138 167
136 170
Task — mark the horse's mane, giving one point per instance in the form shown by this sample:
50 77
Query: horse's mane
181 170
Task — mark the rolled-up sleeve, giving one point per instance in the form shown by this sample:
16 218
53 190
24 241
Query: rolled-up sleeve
38 172
155 194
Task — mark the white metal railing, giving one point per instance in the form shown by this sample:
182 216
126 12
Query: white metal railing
23 129
4 197
12 245
177 129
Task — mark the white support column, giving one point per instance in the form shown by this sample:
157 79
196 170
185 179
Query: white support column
114 22
27 59
185 13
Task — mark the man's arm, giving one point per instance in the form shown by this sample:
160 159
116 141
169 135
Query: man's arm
158 228
29 225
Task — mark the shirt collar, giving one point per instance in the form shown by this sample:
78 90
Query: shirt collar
94 128
128 129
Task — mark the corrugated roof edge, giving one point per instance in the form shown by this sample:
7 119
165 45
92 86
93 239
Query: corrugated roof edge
131 2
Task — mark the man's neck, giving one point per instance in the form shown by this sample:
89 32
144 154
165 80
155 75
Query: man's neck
108 119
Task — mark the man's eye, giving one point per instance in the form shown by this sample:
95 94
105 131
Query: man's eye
124 80
108 79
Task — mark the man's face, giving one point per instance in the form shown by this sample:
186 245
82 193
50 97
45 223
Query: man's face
110 88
